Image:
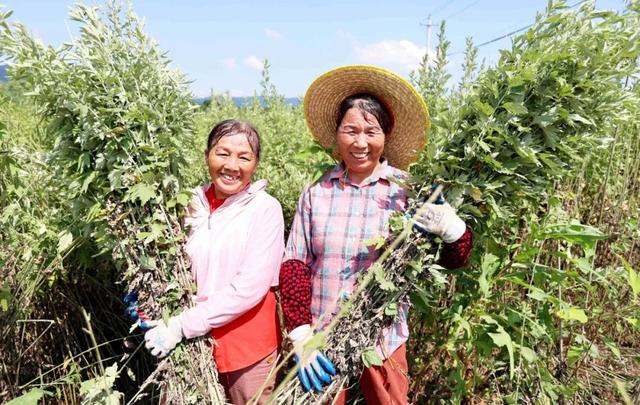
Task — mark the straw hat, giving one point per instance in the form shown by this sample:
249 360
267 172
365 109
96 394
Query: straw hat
408 111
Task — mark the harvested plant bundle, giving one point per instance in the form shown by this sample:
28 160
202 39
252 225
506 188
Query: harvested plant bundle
122 120
350 339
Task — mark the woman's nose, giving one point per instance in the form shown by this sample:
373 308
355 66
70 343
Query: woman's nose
231 163
360 140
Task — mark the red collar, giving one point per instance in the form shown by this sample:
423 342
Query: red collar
214 202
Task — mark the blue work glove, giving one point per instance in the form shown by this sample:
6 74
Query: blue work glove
136 315
315 368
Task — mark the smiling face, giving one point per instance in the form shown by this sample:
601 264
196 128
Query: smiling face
360 142
231 163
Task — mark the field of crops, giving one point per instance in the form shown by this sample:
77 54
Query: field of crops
100 142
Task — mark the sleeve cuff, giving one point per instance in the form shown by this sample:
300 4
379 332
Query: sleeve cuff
455 230
300 333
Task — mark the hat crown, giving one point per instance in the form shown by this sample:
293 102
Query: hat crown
409 113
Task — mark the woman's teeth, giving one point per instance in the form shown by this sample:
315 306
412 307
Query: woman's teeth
228 178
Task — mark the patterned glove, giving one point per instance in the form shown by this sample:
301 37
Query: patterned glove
163 337
440 220
135 313
315 368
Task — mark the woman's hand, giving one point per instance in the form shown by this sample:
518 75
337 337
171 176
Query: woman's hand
163 337
315 368
135 313
440 220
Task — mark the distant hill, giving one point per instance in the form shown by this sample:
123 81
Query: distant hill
240 101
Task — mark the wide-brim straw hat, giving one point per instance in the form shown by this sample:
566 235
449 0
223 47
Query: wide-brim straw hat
409 113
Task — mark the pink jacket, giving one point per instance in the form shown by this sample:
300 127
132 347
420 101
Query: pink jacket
235 255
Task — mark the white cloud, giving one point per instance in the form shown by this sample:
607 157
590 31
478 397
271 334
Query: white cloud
253 62
273 34
391 52
229 63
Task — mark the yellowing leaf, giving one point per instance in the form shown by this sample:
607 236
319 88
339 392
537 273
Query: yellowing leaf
572 314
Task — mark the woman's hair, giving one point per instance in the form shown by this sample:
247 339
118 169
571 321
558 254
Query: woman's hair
234 127
366 103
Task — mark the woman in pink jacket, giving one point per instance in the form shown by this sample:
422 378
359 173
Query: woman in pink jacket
236 244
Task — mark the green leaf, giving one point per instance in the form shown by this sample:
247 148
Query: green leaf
612 346
5 298
483 108
87 181
502 339
580 118
489 265
391 309
148 262
528 354
65 238
30 398
574 232
143 192
635 322
183 198
515 108
378 272
375 243
537 294
632 276
371 358
572 314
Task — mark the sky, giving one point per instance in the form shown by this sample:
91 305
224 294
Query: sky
221 45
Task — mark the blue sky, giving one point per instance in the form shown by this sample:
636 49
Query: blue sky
220 45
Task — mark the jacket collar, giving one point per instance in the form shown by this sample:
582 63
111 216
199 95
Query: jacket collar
383 171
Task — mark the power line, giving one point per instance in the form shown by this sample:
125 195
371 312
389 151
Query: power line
441 7
510 33
461 10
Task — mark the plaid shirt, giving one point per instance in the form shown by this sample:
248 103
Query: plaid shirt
332 220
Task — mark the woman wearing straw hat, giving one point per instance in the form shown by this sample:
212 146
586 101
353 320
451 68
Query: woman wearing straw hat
377 124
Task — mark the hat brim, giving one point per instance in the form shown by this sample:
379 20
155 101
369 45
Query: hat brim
409 112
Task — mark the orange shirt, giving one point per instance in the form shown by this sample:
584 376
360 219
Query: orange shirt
250 337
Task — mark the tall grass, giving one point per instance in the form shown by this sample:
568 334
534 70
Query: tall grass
539 153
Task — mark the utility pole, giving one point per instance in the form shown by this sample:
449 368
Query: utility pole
428 25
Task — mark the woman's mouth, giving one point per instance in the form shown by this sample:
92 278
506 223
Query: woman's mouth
360 155
229 179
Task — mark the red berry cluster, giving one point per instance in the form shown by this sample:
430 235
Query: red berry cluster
295 293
